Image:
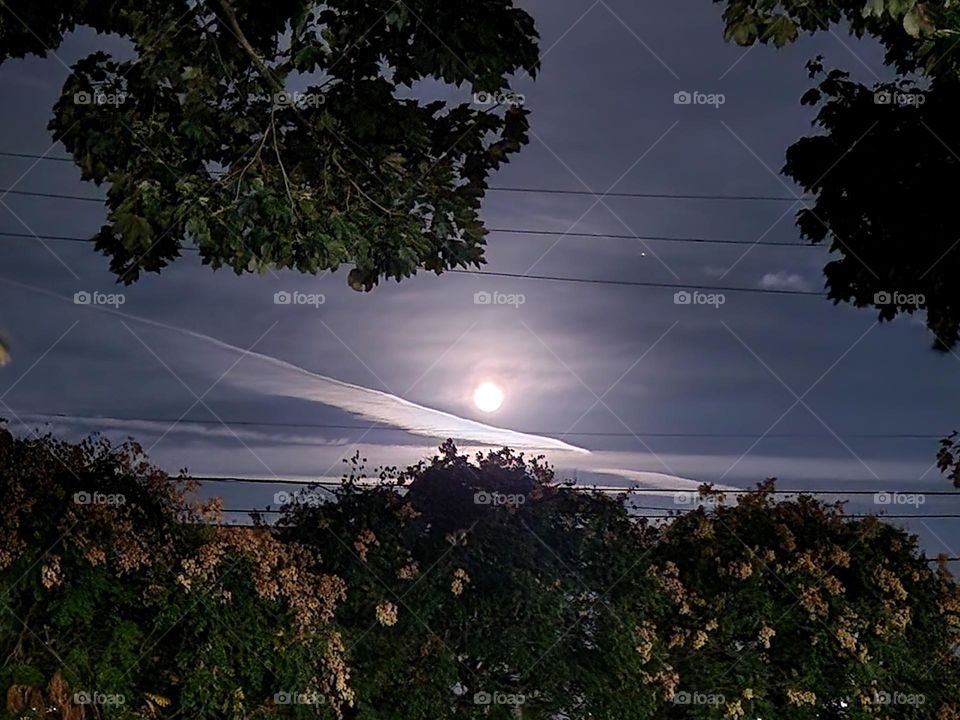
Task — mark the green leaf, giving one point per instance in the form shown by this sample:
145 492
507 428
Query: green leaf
873 8
783 31
916 22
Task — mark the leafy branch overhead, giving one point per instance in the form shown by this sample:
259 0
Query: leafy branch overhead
898 24
886 158
288 134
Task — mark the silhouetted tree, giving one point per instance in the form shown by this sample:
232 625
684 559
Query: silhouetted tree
884 165
286 134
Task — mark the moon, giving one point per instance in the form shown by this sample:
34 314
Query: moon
488 397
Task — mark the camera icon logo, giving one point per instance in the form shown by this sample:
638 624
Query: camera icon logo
82 98
282 297
483 98
81 298
482 298
682 297
282 498
82 698
682 98
882 97
82 498
482 698
882 298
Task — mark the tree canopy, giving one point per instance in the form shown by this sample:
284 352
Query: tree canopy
460 587
884 163
288 134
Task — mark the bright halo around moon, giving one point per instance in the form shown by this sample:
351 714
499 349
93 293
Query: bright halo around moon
488 397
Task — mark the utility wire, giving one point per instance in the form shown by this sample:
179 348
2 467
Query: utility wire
274 511
652 195
639 283
651 238
574 280
31 156
58 196
532 232
538 191
326 484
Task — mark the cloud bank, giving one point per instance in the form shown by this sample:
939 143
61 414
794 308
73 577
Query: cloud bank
272 376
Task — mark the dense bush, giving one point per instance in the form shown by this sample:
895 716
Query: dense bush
798 612
118 598
486 579
456 588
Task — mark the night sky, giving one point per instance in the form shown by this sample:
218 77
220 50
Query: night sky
607 368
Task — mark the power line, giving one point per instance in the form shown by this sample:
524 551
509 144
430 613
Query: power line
552 433
531 190
544 191
566 279
30 156
275 511
327 484
33 236
546 233
651 195
652 238
638 283
57 196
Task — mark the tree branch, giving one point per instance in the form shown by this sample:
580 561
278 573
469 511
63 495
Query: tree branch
234 26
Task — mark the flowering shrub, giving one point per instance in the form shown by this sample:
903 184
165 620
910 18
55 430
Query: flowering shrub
120 599
478 588
461 587
790 610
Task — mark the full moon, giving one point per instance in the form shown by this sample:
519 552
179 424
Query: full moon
488 397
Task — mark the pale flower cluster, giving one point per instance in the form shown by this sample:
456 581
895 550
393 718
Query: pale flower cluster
460 580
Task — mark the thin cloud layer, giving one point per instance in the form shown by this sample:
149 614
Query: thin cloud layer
272 376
